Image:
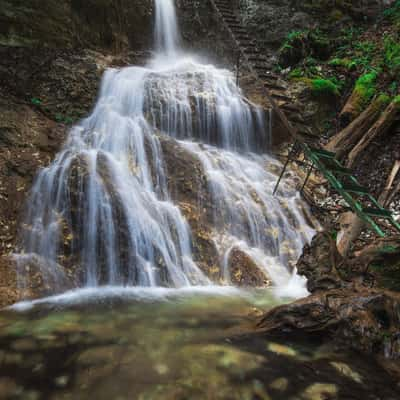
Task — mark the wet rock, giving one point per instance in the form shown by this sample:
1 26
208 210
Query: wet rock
244 272
364 319
318 264
187 184
29 139
30 277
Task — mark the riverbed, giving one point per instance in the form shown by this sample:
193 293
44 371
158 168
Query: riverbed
141 343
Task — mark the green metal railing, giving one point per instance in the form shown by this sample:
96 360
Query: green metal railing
343 182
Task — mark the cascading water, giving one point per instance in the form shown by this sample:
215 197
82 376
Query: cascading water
166 28
102 209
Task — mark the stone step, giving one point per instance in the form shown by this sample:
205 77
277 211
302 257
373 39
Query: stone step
280 96
274 86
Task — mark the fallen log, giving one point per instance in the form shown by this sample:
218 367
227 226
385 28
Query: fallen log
343 142
381 126
363 91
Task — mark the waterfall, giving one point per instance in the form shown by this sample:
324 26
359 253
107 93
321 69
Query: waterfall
102 210
166 28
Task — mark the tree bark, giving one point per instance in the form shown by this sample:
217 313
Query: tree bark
381 126
343 142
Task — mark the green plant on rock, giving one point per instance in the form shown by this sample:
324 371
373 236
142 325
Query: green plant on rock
293 35
343 62
293 48
296 73
35 101
325 87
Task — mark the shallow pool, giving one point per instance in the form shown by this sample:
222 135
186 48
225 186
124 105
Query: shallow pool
170 344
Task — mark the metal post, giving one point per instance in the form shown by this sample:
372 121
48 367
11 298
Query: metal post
292 151
307 178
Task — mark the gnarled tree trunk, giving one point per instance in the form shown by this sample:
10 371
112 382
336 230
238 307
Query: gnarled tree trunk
343 142
380 127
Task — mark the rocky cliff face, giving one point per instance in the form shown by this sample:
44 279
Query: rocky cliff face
105 24
272 20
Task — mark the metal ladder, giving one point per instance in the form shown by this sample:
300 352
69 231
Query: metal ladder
340 178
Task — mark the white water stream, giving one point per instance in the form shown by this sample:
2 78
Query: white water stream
103 206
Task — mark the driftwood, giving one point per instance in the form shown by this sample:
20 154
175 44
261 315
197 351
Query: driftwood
351 225
381 126
343 142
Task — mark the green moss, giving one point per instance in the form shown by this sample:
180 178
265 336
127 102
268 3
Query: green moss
325 87
383 100
365 88
343 62
293 35
396 100
296 73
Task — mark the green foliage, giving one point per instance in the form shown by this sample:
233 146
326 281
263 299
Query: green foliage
393 13
35 101
293 37
62 119
296 73
325 87
396 100
392 54
365 47
393 87
383 100
343 62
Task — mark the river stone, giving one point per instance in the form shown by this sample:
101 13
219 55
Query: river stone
33 281
244 272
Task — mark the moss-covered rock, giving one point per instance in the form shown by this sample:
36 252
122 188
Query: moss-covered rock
364 90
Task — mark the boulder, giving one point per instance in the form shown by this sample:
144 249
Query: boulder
318 264
244 272
28 277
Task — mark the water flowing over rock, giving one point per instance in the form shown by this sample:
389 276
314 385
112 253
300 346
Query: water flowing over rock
105 209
